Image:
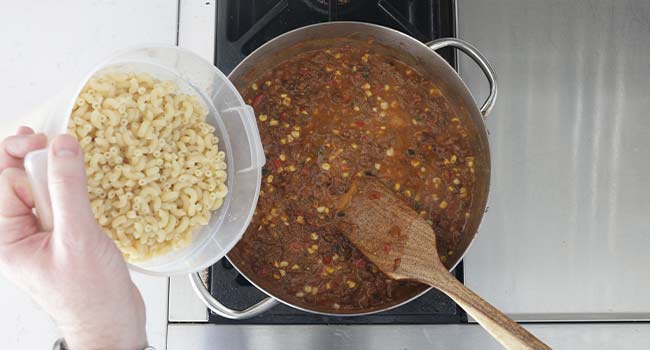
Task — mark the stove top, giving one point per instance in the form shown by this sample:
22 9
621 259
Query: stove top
244 25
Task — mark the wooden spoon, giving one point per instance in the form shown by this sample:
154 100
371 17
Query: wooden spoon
403 246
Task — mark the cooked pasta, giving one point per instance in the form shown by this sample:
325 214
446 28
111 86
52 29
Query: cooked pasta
154 169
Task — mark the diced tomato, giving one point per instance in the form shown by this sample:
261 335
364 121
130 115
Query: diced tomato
374 195
360 263
283 116
359 123
357 77
277 163
296 246
327 260
263 271
386 248
257 100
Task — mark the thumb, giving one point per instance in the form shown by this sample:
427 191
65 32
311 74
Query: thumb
68 188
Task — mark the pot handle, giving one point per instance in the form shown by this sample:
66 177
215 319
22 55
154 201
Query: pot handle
222 310
482 62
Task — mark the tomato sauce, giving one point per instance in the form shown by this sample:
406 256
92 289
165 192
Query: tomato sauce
326 117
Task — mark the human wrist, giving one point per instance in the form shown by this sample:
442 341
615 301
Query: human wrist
100 337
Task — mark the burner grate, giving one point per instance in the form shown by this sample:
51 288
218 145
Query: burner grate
244 25
236 292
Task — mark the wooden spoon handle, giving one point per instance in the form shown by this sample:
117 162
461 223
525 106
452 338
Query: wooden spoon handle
501 327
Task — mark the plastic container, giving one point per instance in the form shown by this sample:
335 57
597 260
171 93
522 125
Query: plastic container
238 135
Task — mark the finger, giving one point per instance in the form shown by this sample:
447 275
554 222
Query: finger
14 148
68 188
15 193
18 146
24 130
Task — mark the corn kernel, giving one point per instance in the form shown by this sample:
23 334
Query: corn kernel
263 117
443 204
314 236
273 122
351 284
320 209
254 87
284 263
325 166
390 152
295 267
365 86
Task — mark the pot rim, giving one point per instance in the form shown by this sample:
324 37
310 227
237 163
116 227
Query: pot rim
411 41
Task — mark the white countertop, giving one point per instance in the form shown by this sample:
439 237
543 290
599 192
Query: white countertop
40 52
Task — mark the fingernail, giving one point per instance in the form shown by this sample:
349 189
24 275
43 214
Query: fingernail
24 130
65 146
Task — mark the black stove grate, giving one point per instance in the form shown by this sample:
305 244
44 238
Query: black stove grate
243 26
235 292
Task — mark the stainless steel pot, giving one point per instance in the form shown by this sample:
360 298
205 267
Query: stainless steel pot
412 52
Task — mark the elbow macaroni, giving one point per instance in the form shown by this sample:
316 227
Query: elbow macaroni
155 172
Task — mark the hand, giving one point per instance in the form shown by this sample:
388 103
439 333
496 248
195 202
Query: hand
75 272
